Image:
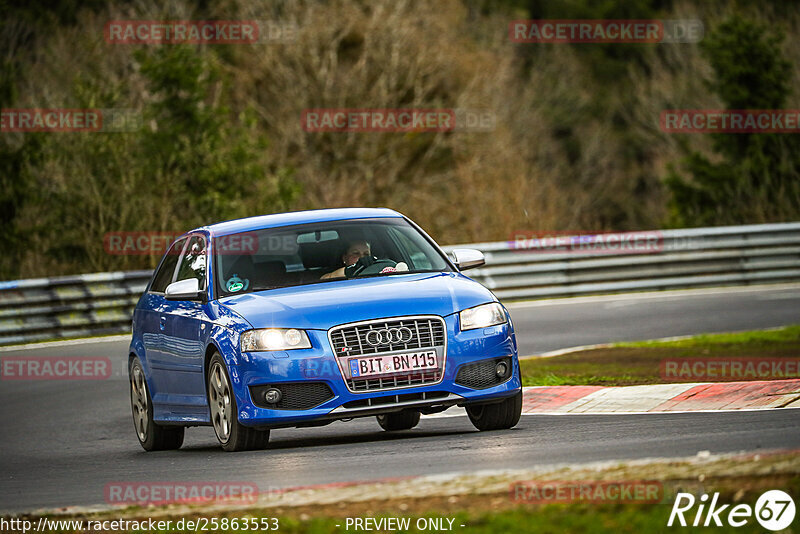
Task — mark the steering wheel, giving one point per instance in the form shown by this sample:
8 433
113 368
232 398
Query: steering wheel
367 265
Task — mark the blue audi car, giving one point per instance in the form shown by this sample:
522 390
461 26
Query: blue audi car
301 319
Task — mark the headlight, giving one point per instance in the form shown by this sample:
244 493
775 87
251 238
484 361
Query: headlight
482 316
275 339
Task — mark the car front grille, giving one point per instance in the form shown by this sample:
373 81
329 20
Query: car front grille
295 395
482 374
421 333
352 340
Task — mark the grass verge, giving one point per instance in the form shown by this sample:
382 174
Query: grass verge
628 364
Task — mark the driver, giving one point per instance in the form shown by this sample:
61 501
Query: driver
355 251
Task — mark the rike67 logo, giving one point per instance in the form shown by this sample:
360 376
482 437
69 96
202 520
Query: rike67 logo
774 510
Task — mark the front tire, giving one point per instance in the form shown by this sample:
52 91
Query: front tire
497 416
151 436
404 420
232 435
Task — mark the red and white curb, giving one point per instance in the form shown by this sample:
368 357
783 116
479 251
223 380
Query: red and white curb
717 396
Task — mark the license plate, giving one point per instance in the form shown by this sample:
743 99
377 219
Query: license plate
395 363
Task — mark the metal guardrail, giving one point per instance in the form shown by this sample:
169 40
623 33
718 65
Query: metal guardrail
696 257
69 306
75 306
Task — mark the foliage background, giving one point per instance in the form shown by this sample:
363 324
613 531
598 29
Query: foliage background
577 144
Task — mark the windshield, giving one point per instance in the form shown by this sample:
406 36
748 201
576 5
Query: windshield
320 252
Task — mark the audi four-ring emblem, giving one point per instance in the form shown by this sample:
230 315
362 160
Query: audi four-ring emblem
386 336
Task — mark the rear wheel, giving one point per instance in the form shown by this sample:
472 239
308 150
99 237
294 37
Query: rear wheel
152 436
405 420
222 404
496 416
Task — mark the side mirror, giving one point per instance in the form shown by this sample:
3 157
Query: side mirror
468 258
184 290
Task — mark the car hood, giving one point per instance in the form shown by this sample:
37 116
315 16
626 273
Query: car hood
324 305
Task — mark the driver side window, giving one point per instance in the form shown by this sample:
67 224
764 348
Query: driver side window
163 277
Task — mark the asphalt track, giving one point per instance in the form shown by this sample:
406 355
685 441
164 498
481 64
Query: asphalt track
63 441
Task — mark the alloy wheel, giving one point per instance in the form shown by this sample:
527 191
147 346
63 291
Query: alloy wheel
139 402
219 400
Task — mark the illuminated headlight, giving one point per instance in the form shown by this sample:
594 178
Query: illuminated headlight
482 316
275 339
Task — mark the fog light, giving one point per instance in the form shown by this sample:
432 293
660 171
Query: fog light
501 369
272 395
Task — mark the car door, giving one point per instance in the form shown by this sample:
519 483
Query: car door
187 321
154 319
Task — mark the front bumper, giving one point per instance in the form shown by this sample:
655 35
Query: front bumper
318 365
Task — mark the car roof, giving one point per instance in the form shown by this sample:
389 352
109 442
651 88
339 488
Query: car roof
296 217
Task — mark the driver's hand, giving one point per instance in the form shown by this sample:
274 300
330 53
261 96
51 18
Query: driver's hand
362 263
